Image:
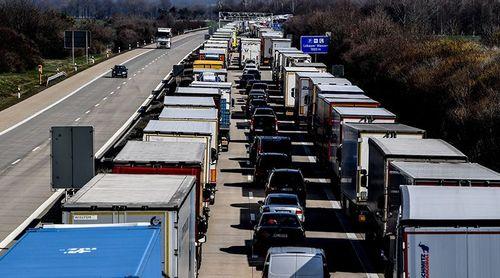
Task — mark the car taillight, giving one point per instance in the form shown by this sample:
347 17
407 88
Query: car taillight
298 212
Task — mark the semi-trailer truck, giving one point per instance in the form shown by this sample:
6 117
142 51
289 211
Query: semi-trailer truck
163 37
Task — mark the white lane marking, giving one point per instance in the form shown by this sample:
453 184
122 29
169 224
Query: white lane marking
77 119
303 143
97 104
250 195
67 96
311 158
130 78
142 68
135 74
15 162
249 177
252 216
112 93
36 149
88 111
104 98
118 88
124 82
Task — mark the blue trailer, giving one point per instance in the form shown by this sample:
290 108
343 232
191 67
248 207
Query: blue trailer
116 250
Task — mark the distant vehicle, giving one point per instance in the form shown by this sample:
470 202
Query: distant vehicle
264 111
265 144
282 202
260 86
119 71
244 80
209 77
277 229
250 66
263 125
163 36
266 163
295 262
255 72
287 181
250 83
249 50
254 104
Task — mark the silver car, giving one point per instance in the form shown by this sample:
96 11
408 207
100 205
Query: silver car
296 262
283 202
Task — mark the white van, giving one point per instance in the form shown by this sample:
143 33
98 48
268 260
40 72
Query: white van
299 262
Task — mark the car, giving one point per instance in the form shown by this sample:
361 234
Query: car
119 71
250 62
263 125
283 180
264 111
255 94
283 202
266 163
250 83
250 66
260 86
255 72
277 229
244 80
254 104
293 261
264 144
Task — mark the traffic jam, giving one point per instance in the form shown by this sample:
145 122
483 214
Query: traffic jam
421 205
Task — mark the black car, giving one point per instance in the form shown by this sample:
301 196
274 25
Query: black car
119 71
250 83
256 94
266 162
277 229
260 86
263 125
264 111
254 104
287 181
265 144
244 80
255 73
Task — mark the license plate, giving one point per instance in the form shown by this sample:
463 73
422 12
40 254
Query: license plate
283 211
287 189
281 235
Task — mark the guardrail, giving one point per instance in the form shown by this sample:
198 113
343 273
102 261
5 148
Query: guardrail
55 76
194 30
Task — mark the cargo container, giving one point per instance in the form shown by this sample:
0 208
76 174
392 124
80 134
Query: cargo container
166 158
382 152
448 232
214 54
249 50
276 66
326 89
120 250
320 66
189 102
354 161
158 199
302 91
266 45
183 131
329 130
289 86
279 43
198 73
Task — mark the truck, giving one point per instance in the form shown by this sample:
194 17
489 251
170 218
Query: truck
249 50
165 200
189 102
200 74
86 251
287 60
277 61
266 44
279 43
163 37
302 91
354 172
214 54
329 129
289 74
186 131
446 231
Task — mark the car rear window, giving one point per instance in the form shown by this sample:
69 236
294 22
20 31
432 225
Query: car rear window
296 266
282 200
262 122
259 102
277 146
286 178
264 112
283 220
268 162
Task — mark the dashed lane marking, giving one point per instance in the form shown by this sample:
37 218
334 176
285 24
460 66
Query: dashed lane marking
15 162
88 111
97 104
77 119
36 149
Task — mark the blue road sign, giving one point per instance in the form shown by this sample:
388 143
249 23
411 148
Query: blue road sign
314 44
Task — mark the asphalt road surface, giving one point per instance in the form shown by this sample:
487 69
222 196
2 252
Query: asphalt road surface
106 103
227 252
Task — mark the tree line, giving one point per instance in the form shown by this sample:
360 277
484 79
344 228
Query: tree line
31 31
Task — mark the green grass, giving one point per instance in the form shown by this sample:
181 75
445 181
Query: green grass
28 81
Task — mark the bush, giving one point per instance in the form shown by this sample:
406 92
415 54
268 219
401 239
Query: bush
17 53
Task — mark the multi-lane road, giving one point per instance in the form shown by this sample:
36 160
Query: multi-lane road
91 97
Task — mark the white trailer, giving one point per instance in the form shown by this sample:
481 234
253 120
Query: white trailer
302 89
354 160
279 43
448 232
266 46
289 86
163 38
126 198
249 50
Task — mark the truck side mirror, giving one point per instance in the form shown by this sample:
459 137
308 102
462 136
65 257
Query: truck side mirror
293 92
213 155
364 178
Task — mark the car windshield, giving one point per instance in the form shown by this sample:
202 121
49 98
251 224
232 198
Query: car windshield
291 179
282 200
283 220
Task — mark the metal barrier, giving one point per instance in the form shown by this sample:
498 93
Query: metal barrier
56 76
194 30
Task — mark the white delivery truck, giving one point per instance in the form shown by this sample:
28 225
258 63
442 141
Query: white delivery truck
249 50
289 86
276 66
266 46
189 102
279 43
302 91
163 38
157 199
186 131
354 160
446 231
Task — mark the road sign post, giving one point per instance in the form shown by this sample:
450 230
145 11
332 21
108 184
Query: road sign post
40 72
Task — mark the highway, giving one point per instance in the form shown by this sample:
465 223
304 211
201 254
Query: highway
103 102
